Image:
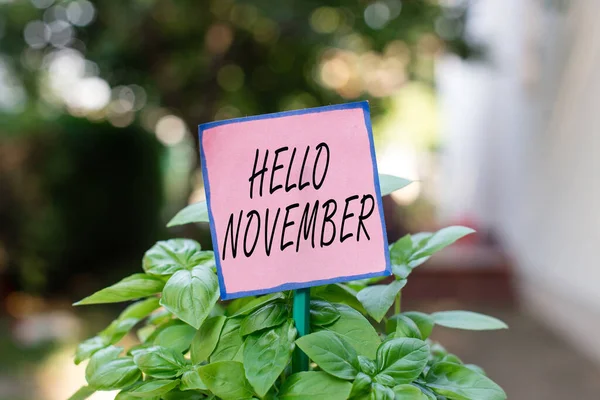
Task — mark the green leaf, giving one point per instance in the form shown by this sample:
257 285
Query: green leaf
391 183
337 293
271 315
405 327
197 212
452 358
159 362
258 302
442 238
190 380
176 394
177 337
88 347
476 368
356 330
118 329
361 385
367 366
314 385
153 388
160 317
190 295
400 253
226 379
378 299
131 288
323 313
206 339
331 353
408 392
266 354
140 309
83 393
385 380
229 346
403 358
458 382
169 256
423 321
381 392
467 320
107 371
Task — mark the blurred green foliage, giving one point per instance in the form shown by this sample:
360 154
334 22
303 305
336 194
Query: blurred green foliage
83 187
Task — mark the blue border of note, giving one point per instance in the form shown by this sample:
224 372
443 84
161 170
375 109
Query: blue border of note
364 105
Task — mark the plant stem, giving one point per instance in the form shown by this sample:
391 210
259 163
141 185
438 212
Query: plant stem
397 303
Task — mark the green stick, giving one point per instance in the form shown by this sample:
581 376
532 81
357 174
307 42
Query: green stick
301 315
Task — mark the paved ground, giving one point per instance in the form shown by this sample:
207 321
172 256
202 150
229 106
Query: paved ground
528 361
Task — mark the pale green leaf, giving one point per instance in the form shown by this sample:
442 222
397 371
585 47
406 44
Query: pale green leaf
153 388
229 346
458 382
107 371
402 358
467 320
273 314
266 354
83 393
169 256
159 362
423 321
131 288
408 392
257 303
331 353
314 385
378 299
177 337
191 295
391 183
442 238
354 328
190 380
381 392
227 380
206 339
197 212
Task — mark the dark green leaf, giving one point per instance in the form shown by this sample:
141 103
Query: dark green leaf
323 313
408 392
83 393
108 371
381 392
356 330
467 320
378 299
331 353
177 337
131 288
169 256
361 385
159 362
176 394
423 321
153 388
190 295
227 380
367 366
403 358
273 314
458 382
206 339
258 302
190 380
405 327
266 354
391 183
442 238
197 212
337 293
314 386
229 346
88 347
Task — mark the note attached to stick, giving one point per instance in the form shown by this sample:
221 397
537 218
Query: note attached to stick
294 199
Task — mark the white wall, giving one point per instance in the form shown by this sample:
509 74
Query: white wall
531 167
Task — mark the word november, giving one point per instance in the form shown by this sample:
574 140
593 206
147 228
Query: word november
320 223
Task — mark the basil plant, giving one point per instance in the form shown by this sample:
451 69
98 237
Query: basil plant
362 345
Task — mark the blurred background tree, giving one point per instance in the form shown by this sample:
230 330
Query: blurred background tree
99 103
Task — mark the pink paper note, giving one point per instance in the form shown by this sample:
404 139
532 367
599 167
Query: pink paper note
294 199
